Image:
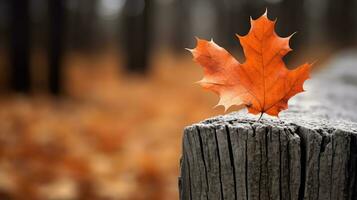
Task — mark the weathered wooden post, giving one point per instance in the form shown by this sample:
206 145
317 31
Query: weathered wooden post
309 153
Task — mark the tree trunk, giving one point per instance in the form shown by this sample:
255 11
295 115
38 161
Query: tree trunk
137 34
20 45
309 153
341 34
57 18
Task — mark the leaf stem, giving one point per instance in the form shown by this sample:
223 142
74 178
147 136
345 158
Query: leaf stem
261 115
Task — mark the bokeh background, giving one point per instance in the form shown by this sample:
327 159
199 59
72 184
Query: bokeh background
94 94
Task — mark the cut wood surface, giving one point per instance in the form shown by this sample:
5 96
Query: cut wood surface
310 152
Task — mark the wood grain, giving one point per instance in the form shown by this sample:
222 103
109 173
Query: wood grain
310 152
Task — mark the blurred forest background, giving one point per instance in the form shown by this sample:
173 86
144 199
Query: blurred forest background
94 94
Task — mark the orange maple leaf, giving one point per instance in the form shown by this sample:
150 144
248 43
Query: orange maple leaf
262 83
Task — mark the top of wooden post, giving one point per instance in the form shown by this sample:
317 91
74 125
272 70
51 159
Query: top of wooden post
296 116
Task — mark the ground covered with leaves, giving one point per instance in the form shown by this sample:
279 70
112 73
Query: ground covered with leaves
114 136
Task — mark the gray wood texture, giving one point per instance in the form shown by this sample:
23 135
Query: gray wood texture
310 152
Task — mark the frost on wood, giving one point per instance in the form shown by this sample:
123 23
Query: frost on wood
233 157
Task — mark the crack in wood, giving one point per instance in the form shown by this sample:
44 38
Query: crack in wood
261 167
203 159
333 152
246 167
302 164
220 165
280 170
352 164
267 158
189 179
288 163
250 161
230 149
